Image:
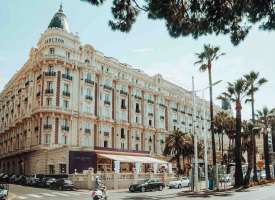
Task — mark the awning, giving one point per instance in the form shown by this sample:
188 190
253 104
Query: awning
132 159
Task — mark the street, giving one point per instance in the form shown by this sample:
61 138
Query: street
265 192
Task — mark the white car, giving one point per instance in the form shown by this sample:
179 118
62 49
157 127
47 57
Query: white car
179 183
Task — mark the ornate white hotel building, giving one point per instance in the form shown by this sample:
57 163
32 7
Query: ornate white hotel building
69 103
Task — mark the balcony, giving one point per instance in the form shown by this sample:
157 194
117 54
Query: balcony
87 130
89 81
138 97
137 110
47 126
50 73
175 110
38 94
150 114
162 105
66 94
123 107
67 76
123 92
88 97
65 128
150 101
120 150
137 138
27 83
26 99
107 102
36 128
175 121
49 91
107 87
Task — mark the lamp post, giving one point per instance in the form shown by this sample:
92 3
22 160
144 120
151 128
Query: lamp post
196 177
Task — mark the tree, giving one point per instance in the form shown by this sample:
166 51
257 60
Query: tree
255 83
265 117
196 18
178 144
205 59
247 129
237 92
220 124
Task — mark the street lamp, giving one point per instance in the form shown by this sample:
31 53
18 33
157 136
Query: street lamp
196 177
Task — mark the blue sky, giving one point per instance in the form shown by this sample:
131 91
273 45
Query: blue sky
148 46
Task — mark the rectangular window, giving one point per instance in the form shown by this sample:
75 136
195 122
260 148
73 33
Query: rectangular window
105 144
150 122
65 104
63 139
67 71
137 108
137 120
51 169
66 87
49 85
123 104
52 51
122 146
68 55
62 168
107 97
50 68
47 139
49 101
136 147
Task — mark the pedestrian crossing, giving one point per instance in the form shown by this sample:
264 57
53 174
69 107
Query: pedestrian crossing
47 195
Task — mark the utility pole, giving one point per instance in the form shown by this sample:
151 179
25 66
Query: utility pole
196 177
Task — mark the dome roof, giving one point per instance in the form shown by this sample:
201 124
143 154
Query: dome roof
59 20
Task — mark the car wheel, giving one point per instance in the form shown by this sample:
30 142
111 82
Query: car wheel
179 186
160 188
142 189
60 188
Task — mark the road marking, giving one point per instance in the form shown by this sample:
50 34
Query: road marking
48 194
21 197
34 195
61 194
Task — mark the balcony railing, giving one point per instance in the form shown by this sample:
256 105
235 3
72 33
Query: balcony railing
47 126
123 107
150 101
107 87
162 105
137 138
36 128
120 150
174 109
66 94
49 91
88 97
65 128
89 81
50 73
107 102
175 121
123 92
138 97
67 76
87 130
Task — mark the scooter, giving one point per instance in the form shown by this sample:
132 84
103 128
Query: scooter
99 194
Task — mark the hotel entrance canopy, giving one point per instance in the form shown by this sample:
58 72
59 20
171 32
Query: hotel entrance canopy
133 159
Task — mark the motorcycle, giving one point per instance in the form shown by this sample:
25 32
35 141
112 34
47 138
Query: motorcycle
99 194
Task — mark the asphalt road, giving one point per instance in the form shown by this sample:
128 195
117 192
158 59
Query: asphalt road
266 192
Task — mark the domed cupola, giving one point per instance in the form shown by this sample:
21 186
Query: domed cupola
59 20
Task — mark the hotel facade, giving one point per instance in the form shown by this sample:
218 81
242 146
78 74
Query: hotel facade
70 108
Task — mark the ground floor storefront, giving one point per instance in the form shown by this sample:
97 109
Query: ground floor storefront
67 160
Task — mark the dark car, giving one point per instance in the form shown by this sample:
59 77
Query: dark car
50 181
12 178
5 178
62 184
148 185
20 179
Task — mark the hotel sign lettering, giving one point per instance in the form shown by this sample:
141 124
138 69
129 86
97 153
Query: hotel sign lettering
54 40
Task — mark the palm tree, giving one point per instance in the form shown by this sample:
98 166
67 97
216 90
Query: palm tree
205 59
247 128
265 117
237 92
219 122
178 144
255 83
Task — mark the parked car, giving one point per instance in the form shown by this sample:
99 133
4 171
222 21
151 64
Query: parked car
20 179
62 184
5 178
147 185
12 178
179 183
50 181
4 191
